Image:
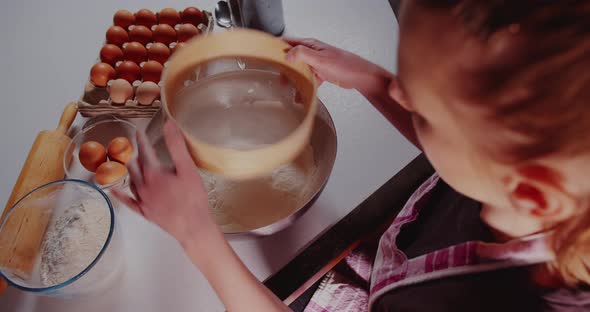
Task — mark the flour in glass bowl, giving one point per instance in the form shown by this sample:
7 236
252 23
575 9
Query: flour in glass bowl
73 240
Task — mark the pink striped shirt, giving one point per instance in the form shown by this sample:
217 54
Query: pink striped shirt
390 268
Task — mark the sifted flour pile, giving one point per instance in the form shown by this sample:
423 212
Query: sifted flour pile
73 240
244 205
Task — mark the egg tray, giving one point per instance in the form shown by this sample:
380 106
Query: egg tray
95 101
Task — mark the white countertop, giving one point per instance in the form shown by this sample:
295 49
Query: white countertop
47 52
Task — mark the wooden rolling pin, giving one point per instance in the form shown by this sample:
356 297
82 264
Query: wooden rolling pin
20 238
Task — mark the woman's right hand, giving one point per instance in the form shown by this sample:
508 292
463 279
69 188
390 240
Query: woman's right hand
175 200
337 66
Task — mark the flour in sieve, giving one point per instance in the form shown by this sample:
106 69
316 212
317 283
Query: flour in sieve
244 205
73 240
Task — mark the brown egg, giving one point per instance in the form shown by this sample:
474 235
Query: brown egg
158 52
120 91
135 51
123 18
111 54
117 35
147 93
151 71
92 154
145 18
101 73
120 149
193 16
164 33
176 45
129 71
110 172
169 16
186 31
140 34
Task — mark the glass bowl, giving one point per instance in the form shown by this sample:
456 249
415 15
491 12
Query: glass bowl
65 219
101 129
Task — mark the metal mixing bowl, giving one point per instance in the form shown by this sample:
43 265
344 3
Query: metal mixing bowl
324 144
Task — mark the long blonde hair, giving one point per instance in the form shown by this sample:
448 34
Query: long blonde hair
540 90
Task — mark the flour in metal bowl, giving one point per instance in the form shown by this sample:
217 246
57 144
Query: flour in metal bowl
243 205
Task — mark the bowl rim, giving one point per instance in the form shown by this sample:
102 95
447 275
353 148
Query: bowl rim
92 263
285 222
96 121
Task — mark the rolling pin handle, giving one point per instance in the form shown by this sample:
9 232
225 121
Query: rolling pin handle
67 117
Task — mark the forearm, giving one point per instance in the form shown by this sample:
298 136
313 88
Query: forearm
236 286
374 86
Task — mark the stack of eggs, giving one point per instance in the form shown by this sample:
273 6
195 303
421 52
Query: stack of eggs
137 48
93 156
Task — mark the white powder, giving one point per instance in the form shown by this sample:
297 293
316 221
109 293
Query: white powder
245 205
73 240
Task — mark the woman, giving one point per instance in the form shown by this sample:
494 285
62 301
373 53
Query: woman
495 93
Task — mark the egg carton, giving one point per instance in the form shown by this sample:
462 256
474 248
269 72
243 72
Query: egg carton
96 101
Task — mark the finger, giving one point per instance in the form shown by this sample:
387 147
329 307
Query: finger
397 93
318 78
304 54
294 41
177 147
135 172
128 201
308 42
133 189
147 154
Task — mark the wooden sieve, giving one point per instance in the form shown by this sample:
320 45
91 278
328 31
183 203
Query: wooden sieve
251 45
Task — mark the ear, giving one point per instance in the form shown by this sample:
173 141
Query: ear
537 191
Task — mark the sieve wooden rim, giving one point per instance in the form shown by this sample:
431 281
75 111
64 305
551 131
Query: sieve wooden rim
251 44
